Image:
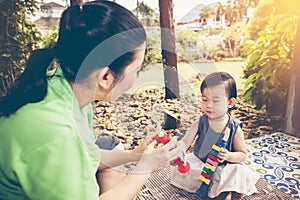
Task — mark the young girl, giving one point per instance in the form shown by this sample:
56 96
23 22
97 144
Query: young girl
218 96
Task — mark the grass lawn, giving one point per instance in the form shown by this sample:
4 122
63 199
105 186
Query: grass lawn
152 76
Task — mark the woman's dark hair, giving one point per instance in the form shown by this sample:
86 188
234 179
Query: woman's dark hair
220 78
100 33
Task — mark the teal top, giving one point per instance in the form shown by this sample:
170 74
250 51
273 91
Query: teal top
207 137
47 149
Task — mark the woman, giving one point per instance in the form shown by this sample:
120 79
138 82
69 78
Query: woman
47 147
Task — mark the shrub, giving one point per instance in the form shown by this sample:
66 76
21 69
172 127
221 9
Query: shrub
269 64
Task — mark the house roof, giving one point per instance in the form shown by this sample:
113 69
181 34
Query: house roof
193 14
54 5
47 22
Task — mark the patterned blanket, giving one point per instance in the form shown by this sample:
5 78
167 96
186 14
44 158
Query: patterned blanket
274 157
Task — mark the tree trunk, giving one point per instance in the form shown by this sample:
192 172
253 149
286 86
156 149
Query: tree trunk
3 88
292 117
229 45
7 82
169 57
11 75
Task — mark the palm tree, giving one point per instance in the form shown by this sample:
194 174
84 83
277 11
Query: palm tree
219 11
228 14
145 14
206 13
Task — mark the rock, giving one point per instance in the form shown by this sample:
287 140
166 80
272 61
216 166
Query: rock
253 134
250 123
246 134
129 141
265 128
127 146
110 127
120 135
144 122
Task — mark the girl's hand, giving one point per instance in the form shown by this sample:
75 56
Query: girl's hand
223 155
156 158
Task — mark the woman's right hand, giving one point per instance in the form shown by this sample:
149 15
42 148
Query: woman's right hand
144 144
156 158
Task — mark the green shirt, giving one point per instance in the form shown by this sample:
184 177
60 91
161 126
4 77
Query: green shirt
47 149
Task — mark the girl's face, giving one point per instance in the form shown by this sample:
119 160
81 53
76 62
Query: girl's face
215 102
128 78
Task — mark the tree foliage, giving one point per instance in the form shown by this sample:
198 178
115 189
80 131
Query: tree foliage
233 11
186 42
153 49
270 58
18 36
262 16
146 14
206 12
234 36
50 39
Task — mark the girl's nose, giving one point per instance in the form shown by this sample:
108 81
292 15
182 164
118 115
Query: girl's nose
209 104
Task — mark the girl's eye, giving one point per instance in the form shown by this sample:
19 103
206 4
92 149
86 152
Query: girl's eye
216 100
204 99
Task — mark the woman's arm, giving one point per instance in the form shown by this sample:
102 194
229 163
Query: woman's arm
113 158
127 189
240 153
152 159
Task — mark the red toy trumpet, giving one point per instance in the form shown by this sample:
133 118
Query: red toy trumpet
183 165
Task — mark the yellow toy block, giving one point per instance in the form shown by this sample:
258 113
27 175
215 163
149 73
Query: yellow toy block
211 167
217 148
205 180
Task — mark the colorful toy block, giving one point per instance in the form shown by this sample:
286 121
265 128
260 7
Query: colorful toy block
209 169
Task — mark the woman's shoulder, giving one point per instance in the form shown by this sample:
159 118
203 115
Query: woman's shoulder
30 129
38 121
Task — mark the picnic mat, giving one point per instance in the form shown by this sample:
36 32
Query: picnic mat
276 158
158 187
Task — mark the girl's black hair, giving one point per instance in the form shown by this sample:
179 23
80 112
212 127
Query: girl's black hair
220 78
82 29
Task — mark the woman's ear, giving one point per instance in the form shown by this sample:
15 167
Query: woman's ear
105 78
231 102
